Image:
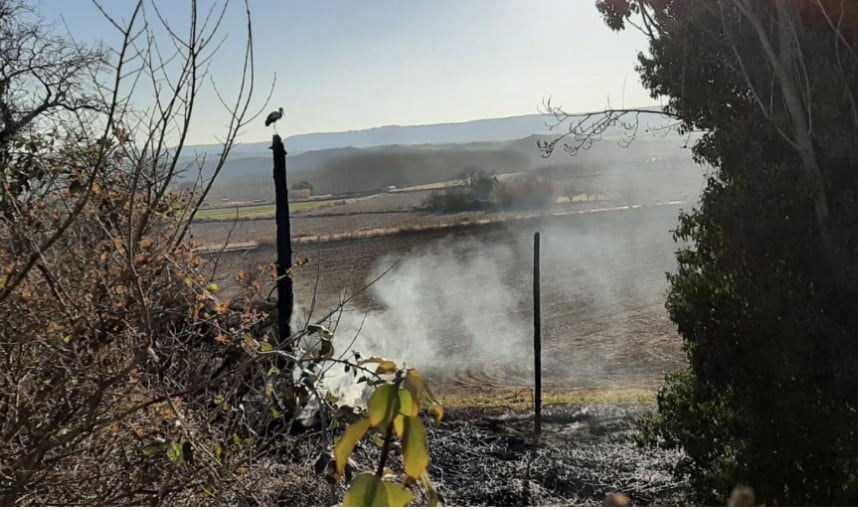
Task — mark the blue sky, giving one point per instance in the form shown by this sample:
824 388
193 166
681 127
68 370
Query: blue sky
349 64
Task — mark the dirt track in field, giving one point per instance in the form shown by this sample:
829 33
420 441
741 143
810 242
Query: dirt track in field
469 317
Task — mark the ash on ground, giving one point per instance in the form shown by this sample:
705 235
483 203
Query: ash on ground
487 457
585 454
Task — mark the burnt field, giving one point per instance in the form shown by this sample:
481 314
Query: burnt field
456 302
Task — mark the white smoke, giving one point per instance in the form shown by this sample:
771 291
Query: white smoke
463 304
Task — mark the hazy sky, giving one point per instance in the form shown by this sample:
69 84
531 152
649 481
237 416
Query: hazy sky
348 64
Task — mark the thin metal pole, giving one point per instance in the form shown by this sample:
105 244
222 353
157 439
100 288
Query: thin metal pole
285 296
537 340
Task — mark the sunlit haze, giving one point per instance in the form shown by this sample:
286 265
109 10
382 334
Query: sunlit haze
343 65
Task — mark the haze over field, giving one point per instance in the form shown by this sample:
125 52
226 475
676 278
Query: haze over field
441 152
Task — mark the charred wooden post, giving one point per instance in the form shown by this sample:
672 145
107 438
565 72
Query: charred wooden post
285 296
537 341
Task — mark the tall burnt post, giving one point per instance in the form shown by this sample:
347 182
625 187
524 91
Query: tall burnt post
537 341
285 296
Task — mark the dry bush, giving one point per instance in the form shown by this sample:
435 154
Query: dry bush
124 379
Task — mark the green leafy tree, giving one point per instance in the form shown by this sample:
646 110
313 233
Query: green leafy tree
765 289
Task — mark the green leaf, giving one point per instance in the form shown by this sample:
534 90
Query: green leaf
383 405
152 448
432 496
396 494
366 490
369 490
415 451
407 404
175 454
346 444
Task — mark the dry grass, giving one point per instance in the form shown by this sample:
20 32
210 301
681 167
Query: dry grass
523 399
257 211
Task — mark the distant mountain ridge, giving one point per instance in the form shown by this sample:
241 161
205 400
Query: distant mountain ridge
483 130
480 130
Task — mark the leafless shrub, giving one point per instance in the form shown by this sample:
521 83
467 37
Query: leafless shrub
124 378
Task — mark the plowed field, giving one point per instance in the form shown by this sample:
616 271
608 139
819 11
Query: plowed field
458 301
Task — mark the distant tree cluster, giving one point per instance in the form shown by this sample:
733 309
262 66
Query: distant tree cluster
303 185
481 190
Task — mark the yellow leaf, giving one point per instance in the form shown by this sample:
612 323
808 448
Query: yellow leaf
67 338
387 364
415 383
383 405
265 347
369 490
399 426
345 445
438 413
386 367
213 287
407 405
415 451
